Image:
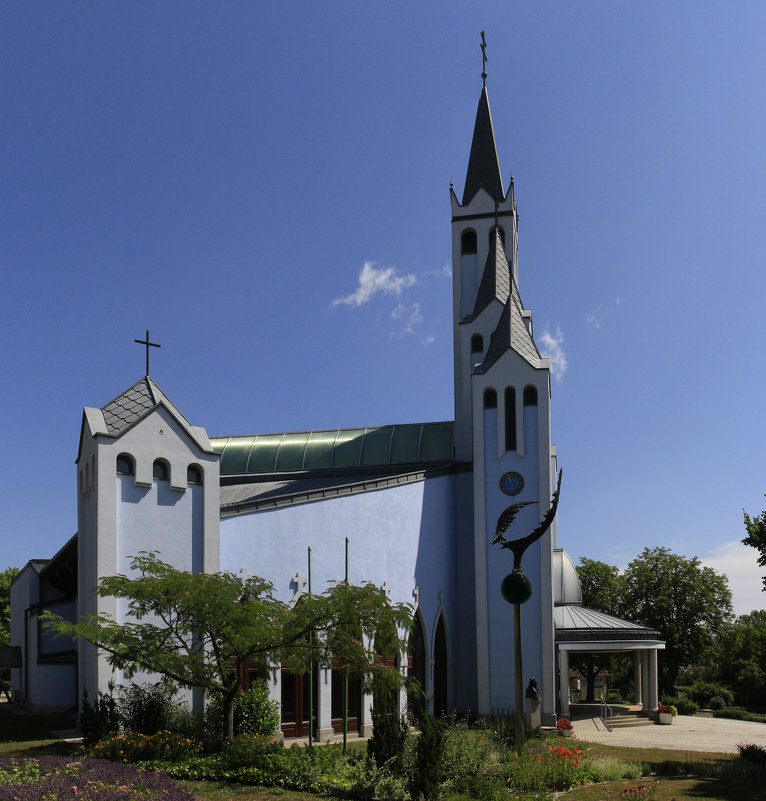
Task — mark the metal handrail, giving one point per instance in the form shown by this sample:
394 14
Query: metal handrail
606 714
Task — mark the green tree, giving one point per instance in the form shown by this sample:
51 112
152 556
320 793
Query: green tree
742 664
6 579
688 604
756 537
601 590
201 629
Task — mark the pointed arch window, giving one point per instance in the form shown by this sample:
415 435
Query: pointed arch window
510 419
530 396
440 668
468 243
416 666
490 399
160 470
477 343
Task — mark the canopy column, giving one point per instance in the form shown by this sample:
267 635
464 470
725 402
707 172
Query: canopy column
564 682
637 678
652 658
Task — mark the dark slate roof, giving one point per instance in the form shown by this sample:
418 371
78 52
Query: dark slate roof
483 166
496 278
133 404
576 623
511 332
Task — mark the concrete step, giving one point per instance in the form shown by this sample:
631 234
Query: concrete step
626 721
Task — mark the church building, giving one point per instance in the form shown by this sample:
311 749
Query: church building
416 506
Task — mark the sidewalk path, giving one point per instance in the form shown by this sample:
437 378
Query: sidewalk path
687 733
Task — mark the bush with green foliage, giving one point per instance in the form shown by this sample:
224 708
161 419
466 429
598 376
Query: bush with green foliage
254 713
136 747
686 706
426 777
101 719
465 751
706 693
557 768
254 750
389 736
148 708
753 753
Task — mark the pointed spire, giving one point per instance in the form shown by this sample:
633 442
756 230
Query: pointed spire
483 165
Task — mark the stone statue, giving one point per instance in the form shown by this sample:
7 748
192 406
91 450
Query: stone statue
532 691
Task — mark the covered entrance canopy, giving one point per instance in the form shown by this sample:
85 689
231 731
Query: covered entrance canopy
578 628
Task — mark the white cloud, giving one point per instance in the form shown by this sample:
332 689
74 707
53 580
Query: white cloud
411 318
739 563
593 320
372 281
551 347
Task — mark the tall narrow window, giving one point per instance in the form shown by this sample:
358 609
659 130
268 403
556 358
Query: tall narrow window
193 474
468 243
490 399
530 396
510 419
477 343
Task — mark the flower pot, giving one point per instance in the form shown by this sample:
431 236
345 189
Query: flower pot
664 718
566 732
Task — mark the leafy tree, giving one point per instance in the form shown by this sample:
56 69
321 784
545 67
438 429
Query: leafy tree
756 537
601 590
688 604
743 657
6 578
200 630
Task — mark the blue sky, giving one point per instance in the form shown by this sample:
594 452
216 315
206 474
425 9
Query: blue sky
265 186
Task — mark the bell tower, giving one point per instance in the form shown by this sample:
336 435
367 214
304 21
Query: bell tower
502 421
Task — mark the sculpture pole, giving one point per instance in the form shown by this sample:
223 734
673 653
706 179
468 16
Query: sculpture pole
516 588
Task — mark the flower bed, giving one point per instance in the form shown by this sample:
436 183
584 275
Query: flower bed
56 778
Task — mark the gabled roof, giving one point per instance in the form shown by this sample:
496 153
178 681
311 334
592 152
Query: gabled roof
483 165
496 278
511 333
133 405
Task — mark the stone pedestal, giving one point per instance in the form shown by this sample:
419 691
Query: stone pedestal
532 715
325 735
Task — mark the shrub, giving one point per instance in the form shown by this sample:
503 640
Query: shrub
136 747
251 750
464 753
703 692
371 781
389 735
733 713
148 708
99 720
427 773
686 706
750 752
254 713
611 769
558 768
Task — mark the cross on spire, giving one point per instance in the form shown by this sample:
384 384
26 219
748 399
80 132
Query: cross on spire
148 345
483 46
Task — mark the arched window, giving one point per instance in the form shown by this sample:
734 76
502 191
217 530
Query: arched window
510 419
468 243
477 343
530 396
125 466
160 470
193 474
440 669
490 399
416 666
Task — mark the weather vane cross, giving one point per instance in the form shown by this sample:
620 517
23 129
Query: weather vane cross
148 345
483 46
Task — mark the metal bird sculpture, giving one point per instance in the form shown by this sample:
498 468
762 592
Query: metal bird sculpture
507 517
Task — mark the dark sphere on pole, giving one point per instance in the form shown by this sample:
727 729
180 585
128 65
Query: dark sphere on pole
516 588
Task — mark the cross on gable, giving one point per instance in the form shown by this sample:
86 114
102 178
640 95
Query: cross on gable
387 589
416 595
299 581
148 345
244 574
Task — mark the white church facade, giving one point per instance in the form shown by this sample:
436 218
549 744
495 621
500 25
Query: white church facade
416 506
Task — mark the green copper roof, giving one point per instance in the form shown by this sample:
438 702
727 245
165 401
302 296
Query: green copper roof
339 448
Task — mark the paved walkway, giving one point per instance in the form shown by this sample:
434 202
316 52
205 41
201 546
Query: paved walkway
685 734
